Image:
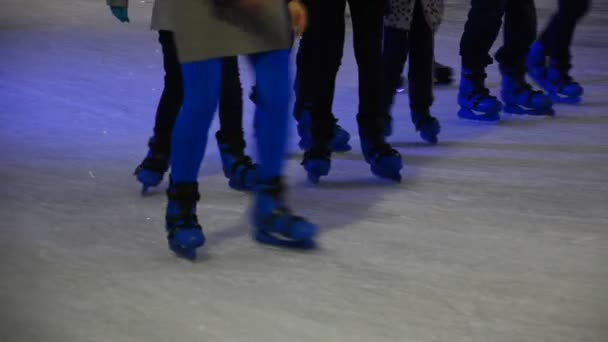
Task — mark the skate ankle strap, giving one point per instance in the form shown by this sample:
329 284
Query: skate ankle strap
273 188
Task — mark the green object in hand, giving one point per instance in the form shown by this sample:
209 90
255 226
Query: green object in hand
121 13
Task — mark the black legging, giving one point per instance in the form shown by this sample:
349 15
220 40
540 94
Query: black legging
557 37
231 101
482 27
320 55
418 43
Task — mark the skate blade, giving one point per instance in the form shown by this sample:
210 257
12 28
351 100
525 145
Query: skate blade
187 251
519 110
272 240
390 175
470 115
566 99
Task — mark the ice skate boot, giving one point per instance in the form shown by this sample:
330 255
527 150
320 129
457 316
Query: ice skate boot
536 63
184 234
317 163
443 74
384 161
339 141
560 85
520 98
241 172
274 223
475 100
427 125
151 170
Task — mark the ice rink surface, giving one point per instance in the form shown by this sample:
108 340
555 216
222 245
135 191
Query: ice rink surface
498 234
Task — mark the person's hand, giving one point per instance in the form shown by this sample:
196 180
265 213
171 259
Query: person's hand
299 16
121 13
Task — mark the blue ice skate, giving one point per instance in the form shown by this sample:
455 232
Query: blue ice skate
151 170
475 100
384 161
338 143
520 98
184 234
555 79
274 224
536 64
241 172
317 163
561 87
428 127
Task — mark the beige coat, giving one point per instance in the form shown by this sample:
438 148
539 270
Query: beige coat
203 30
161 18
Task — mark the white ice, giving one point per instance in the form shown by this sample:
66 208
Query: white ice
498 234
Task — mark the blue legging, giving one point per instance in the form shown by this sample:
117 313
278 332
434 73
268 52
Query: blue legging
202 83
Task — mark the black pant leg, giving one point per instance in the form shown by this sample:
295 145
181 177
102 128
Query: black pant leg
171 99
519 34
367 19
421 63
395 50
557 37
480 32
231 104
318 60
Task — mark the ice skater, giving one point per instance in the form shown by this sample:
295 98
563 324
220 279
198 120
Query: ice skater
318 61
237 166
480 32
409 28
261 30
554 44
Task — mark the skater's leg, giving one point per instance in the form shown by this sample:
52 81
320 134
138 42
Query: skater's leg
367 18
201 94
272 72
231 102
395 51
237 166
202 83
554 43
318 60
151 170
421 76
273 221
480 32
557 37
367 21
171 99
519 33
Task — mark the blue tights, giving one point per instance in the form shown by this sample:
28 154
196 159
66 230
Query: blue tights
202 83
